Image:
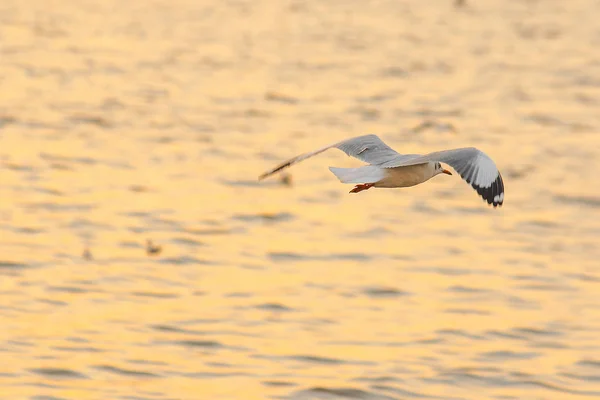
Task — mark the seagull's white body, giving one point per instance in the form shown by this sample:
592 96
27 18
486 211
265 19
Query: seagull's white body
388 169
387 177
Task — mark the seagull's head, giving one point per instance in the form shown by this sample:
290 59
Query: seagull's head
438 169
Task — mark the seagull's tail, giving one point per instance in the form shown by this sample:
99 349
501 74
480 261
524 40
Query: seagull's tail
366 174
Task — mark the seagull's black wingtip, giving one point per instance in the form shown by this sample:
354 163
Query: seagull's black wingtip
493 194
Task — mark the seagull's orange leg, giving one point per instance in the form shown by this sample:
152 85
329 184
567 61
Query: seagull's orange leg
361 187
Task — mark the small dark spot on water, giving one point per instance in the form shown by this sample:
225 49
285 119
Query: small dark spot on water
280 98
283 256
162 139
589 363
515 173
52 302
52 192
584 277
427 341
60 167
375 98
17 167
244 183
398 391
208 375
454 251
174 329
506 335
82 222
210 344
213 231
138 188
428 112
348 393
394 72
147 362
239 295
78 349
464 289
535 332
589 201
126 372
7 120
582 377
540 224
384 292
547 287
19 343
77 339
91 120
543 119
52 207
466 311
549 345
316 360
167 328
58 373
254 113
139 229
278 383
12 265
445 271
351 256
274 307
28 230
219 364
76 160
459 333
289 256
67 289
371 233
183 260
187 241
136 214
155 295
265 217
130 244
502 355
380 379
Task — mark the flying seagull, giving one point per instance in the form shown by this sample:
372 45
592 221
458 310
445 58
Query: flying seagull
389 169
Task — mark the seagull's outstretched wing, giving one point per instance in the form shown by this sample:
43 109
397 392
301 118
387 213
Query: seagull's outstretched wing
367 148
473 165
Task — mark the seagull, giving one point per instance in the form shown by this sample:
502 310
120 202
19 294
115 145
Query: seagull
389 169
151 248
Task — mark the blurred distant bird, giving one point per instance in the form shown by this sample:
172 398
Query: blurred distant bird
389 169
87 254
152 249
286 179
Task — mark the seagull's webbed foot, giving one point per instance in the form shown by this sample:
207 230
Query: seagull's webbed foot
361 187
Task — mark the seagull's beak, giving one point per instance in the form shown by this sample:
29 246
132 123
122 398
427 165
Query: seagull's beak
445 171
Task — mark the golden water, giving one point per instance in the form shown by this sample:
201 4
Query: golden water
123 121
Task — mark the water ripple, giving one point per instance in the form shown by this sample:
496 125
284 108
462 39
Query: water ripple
319 392
58 373
126 372
384 292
